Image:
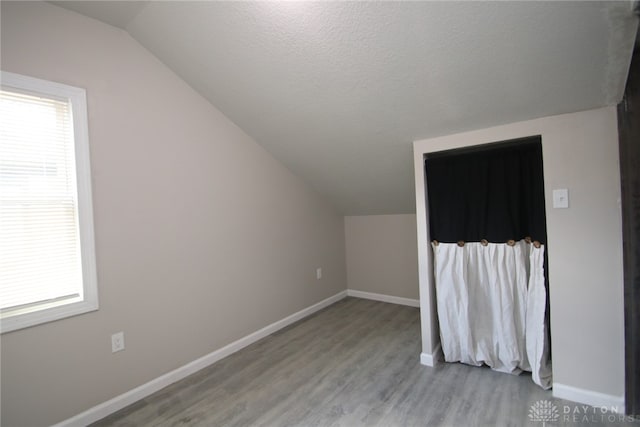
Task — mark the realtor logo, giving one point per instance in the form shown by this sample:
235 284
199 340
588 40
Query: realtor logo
545 411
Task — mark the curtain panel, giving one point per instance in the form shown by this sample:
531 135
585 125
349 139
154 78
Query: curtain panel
493 192
491 306
491 297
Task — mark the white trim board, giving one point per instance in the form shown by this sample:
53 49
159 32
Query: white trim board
589 397
384 298
431 359
125 399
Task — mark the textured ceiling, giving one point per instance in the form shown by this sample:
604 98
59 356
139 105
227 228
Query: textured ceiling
338 90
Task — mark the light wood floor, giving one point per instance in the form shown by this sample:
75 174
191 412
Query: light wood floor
355 363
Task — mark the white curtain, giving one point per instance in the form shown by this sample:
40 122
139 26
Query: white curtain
491 303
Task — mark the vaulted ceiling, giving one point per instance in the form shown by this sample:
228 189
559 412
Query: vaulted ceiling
338 91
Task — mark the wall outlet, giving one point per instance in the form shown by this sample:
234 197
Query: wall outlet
117 342
318 273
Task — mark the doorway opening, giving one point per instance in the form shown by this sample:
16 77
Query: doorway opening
487 224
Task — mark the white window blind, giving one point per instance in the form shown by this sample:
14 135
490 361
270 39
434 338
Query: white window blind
41 256
39 249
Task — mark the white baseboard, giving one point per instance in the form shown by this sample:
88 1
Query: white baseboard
110 406
431 359
588 397
384 298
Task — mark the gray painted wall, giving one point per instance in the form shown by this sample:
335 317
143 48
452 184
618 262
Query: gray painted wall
201 236
382 254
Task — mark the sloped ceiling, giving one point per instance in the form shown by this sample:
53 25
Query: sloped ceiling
338 90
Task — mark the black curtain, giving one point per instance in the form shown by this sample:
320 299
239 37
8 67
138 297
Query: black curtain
493 192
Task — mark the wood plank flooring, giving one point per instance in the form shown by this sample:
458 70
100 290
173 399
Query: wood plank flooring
355 363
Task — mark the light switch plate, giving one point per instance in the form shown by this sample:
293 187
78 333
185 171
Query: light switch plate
561 198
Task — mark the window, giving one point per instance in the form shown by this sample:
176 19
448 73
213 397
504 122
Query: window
47 256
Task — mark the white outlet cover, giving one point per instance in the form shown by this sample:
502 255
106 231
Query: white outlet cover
561 198
117 342
318 273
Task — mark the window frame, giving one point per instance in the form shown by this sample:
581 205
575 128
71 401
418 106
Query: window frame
49 311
